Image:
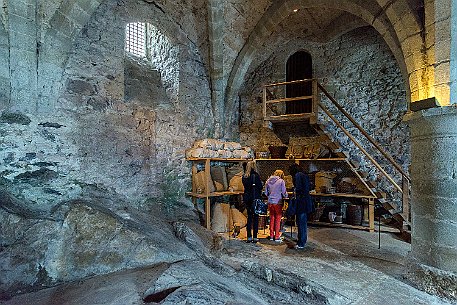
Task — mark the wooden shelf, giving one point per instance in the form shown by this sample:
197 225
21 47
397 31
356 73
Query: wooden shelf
342 195
218 159
214 194
340 225
321 159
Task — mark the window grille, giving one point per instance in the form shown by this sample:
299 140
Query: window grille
135 39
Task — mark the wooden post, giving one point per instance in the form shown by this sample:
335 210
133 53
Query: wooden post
371 214
264 103
405 198
315 102
208 212
194 173
207 193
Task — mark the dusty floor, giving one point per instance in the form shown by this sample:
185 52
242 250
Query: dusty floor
348 264
338 266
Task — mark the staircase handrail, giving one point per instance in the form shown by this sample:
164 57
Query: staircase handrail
367 136
375 163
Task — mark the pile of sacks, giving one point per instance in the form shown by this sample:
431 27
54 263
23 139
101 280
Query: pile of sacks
213 148
220 178
226 218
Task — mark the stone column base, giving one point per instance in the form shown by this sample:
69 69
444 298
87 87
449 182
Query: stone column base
434 281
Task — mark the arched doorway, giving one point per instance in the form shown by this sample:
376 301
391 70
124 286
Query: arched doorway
299 66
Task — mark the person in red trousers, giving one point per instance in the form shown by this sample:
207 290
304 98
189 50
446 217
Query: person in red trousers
275 189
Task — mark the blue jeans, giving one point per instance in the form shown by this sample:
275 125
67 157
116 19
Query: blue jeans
302 220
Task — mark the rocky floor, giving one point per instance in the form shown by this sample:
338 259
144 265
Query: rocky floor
338 266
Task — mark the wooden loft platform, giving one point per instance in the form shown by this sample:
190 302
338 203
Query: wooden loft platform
277 104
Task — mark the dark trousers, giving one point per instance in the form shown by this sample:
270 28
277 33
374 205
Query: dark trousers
302 220
252 227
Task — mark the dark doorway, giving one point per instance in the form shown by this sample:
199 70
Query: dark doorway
299 66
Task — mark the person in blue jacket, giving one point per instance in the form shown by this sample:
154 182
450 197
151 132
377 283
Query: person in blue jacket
304 202
252 190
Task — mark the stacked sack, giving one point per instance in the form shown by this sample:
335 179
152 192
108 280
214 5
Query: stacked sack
213 148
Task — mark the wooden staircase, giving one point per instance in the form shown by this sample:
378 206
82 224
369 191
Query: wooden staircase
397 211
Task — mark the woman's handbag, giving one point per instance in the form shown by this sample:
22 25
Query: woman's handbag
292 207
260 207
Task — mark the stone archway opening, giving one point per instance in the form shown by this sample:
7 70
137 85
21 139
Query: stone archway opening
299 66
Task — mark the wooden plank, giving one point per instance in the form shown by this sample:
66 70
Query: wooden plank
405 198
218 159
288 99
371 214
264 102
341 195
214 194
289 117
194 172
300 159
208 213
315 102
291 82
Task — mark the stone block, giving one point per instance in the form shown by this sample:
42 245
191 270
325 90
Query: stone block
78 15
442 50
438 233
89 6
442 72
23 41
430 187
443 94
411 44
441 209
22 25
433 254
22 8
64 25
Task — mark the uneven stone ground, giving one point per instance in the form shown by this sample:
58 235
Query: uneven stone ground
338 266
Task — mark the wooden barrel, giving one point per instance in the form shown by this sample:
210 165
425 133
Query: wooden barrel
354 214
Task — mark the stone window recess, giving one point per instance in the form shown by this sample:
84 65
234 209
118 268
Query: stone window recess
135 38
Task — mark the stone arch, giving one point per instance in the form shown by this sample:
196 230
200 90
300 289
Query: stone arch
370 11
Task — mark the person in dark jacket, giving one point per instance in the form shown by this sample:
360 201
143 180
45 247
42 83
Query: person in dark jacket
252 190
304 202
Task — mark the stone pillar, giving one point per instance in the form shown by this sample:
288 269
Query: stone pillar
454 52
434 198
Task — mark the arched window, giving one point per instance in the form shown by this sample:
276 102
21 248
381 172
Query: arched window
299 66
135 38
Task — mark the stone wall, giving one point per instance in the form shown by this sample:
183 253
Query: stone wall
104 121
358 70
97 134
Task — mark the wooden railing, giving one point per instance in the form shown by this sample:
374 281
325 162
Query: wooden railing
270 98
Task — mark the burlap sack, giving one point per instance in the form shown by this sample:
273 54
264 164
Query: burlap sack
234 170
232 146
219 175
238 217
225 154
236 184
221 217
200 183
240 154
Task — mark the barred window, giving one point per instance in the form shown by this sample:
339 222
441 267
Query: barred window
135 39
